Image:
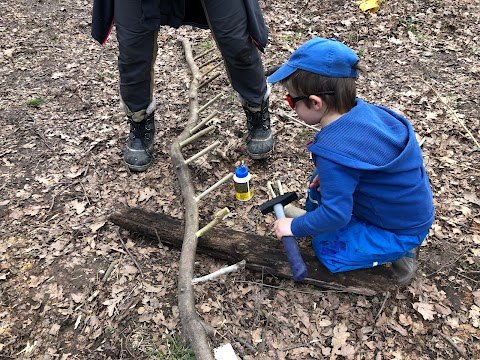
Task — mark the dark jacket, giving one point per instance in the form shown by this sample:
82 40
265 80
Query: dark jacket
175 13
102 20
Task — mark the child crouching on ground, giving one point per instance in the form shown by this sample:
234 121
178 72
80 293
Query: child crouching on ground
369 200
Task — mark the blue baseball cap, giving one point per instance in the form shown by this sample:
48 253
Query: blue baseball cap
327 57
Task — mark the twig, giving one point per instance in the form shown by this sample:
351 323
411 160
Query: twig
448 264
35 130
210 189
212 68
85 193
130 306
93 296
387 295
469 167
246 344
109 270
290 289
466 277
288 117
202 152
209 80
204 53
223 271
158 238
280 187
219 96
296 346
218 217
271 192
129 253
197 135
451 342
79 318
453 113
203 122
209 62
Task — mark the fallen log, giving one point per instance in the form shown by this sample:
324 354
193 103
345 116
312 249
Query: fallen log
261 253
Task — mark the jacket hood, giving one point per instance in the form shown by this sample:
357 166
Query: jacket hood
369 137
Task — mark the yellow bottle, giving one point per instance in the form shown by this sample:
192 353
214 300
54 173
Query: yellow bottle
243 186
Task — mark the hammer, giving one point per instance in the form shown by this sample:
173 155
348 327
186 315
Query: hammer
297 266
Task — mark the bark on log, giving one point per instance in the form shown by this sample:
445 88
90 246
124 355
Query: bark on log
261 253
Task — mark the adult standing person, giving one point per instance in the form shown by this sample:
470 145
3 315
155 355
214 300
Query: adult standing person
239 30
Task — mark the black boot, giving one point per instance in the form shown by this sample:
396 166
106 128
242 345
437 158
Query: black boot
138 154
260 138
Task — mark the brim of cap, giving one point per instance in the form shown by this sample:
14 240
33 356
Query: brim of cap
283 72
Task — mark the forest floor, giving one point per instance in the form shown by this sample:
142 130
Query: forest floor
62 176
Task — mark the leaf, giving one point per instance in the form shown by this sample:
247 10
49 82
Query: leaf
347 351
75 172
340 336
476 297
78 298
54 329
8 52
324 322
472 197
97 225
370 5
397 327
57 75
79 207
474 316
129 269
35 281
442 309
205 308
425 309
32 211
257 336
404 320
466 211
146 194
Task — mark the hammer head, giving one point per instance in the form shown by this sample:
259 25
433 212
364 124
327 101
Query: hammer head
284 199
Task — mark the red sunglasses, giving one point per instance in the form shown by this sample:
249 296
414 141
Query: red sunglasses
293 100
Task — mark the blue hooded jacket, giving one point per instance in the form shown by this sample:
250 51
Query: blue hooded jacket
370 165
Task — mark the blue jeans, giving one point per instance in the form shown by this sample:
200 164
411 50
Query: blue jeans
358 244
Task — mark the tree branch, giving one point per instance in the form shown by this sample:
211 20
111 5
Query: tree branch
193 330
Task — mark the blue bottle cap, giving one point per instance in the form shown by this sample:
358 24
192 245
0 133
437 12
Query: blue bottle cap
241 171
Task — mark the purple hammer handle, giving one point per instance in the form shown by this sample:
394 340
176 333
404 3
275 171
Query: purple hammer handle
297 265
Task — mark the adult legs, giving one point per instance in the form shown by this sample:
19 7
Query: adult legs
228 22
136 59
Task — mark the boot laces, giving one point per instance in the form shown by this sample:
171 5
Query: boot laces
142 130
258 119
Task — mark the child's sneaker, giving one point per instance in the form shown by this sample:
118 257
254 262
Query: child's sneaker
406 267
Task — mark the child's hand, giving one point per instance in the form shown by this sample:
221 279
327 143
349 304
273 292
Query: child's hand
283 227
315 183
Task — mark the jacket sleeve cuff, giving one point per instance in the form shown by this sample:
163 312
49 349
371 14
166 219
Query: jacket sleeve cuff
297 227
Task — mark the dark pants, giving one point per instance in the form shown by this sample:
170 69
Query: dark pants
138 50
